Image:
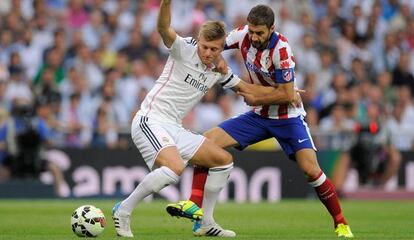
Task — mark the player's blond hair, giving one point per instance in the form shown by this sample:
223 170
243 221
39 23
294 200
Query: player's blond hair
212 30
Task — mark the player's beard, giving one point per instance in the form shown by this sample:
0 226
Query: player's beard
259 45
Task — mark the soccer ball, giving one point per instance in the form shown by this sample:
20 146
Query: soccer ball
88 221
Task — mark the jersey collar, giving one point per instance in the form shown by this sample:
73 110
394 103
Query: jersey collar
274 38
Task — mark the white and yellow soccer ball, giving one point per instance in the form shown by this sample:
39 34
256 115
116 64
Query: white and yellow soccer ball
88 221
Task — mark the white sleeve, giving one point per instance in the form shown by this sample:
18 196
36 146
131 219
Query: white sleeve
182 47
234 38
229 80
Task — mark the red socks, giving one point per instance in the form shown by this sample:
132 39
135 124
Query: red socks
197 189
326 193
323 187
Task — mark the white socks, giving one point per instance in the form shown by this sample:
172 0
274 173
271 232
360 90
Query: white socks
152 183
216 180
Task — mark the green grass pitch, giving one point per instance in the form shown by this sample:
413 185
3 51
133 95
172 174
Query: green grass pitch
288 219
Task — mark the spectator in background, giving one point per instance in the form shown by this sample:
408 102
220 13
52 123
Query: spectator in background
338 126
76 123
373 154
30 54
105 133
47 85
324 38
77 16
400 122
18 87
345 45
93 29
326 71
114 106
6 46
59 44
108 53
85 66
129 87
388 54
307 54
54 61
384 80
135 50
42 33
401 74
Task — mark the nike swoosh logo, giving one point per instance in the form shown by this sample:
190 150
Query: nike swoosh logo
302 140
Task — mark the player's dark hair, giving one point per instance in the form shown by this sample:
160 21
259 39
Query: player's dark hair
261 15
213 30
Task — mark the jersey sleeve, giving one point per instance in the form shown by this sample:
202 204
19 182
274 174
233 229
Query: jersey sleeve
182 47
235 37
229 80
284 62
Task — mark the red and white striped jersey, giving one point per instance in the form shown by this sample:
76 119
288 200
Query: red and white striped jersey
268 67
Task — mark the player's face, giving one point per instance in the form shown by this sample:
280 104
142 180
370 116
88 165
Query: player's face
208 51
259 35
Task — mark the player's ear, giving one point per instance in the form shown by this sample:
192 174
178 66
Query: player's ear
272 28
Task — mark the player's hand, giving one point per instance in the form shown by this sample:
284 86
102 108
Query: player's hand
297 100
221 65
249 98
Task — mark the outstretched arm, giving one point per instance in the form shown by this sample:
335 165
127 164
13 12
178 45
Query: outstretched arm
167 33
255 95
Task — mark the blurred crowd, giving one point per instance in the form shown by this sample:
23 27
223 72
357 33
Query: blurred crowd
77 70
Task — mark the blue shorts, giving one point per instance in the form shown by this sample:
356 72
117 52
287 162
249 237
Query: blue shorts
249 128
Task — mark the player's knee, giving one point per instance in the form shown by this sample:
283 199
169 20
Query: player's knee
176 165
211 136
177 169
312 171
223 158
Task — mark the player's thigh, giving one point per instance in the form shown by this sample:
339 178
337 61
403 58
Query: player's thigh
155 144
220 137
245 129
170 157
292 134
307 162
210 155
188 143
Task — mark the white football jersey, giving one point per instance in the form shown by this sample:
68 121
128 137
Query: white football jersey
182 84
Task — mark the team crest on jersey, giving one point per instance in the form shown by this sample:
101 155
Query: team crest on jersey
287 75
165 139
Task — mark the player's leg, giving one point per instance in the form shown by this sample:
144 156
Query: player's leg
220 163
237 131
163 154
219 137
294 137
170 168
192 208
307 162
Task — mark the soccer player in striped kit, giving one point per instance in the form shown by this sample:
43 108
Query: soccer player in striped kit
270 62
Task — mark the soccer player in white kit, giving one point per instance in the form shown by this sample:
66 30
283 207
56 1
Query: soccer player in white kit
156 129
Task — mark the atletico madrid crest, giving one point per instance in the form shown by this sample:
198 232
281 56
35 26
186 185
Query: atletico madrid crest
287 74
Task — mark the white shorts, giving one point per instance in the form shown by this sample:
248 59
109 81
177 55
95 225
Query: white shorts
151 136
